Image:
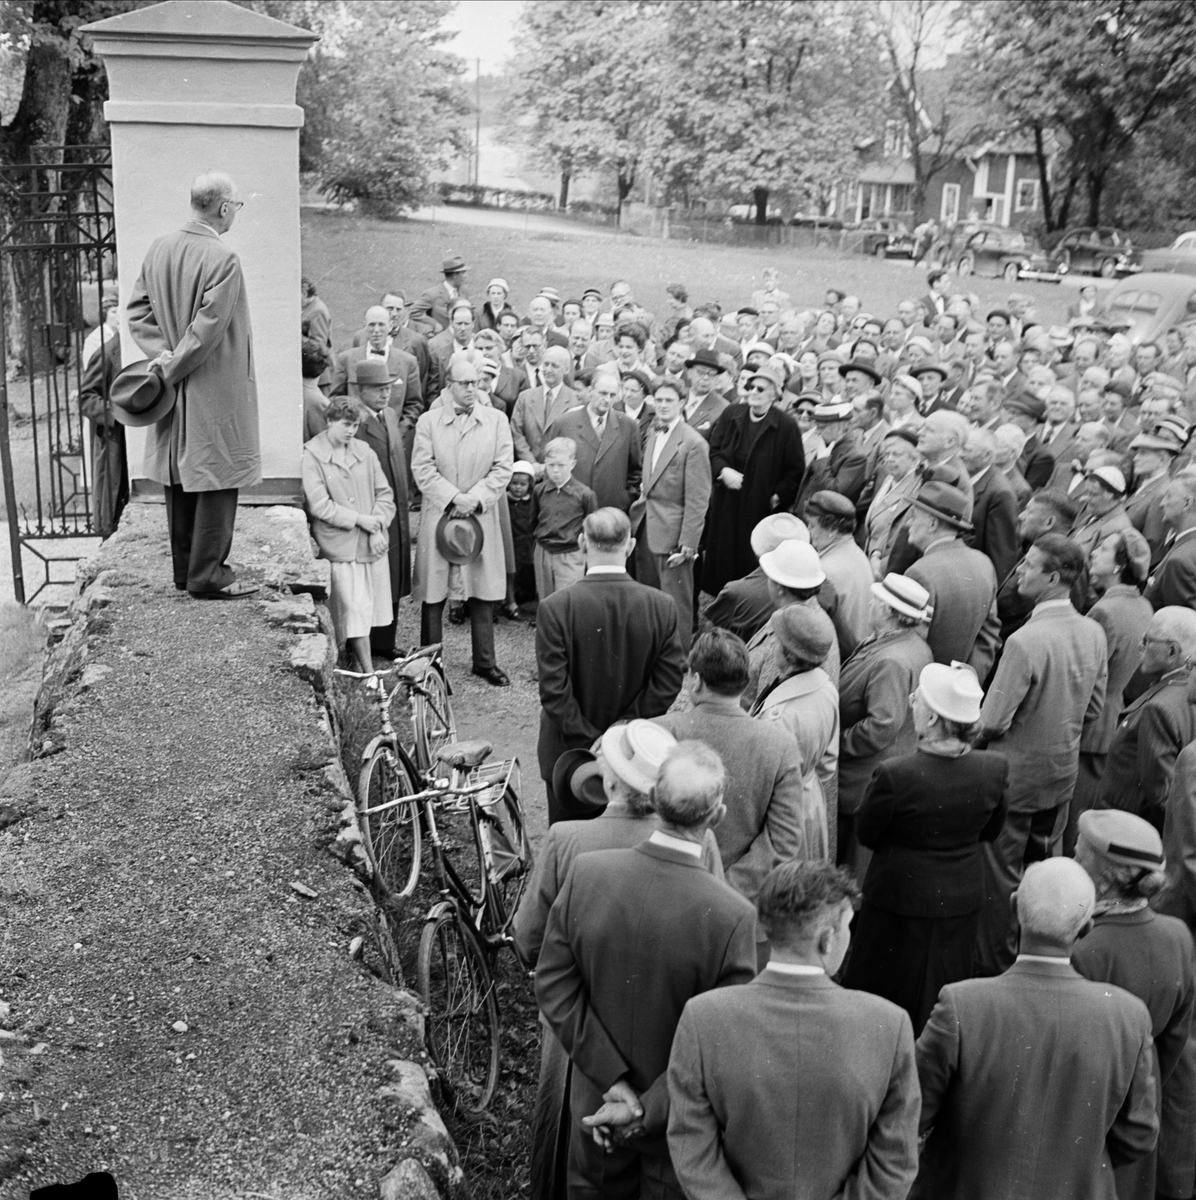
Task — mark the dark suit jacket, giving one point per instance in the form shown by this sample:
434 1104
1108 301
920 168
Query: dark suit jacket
644 420
1034 1083
1175 580
614 976
387 444
607 651
1036 464
1124 616
430 313
994 521
1145 511
528 426
743 606
844 470
405 395
612 467
792 1087
416 345
707 413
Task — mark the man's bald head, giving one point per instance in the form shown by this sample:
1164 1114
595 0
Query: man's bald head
558 356
1055 901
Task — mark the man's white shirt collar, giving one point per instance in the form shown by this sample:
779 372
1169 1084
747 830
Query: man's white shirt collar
1058 959
606 570
793 969
660 838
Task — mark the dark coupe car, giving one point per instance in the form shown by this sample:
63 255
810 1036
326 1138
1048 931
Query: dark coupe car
886 238
1104 252
1006 254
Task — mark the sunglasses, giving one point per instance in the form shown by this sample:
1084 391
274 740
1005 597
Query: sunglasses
755 387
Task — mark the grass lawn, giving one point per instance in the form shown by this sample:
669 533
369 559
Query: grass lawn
354 259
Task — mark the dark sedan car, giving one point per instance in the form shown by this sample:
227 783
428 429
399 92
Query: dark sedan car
1104 252
886 238
1006 254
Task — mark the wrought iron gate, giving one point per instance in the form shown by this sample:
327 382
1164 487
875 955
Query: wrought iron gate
57 249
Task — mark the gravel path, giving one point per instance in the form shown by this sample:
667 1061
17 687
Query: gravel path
150 891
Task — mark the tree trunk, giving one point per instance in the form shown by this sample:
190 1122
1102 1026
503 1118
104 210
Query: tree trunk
625 182
1065 204
760 200
1096 187
566 175
1044 177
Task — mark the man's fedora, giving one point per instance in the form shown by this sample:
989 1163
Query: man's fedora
452 264
140 396
459 539
705 358
946 502
373 372
635 752
577 785
864 368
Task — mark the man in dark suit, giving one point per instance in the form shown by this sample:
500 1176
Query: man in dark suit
791 1085
843 466
609 459
1175 580
1037 1083
455 337
406 392
670 514
994 504
615 974
430 313
704 405
606 649
1026 411
935 304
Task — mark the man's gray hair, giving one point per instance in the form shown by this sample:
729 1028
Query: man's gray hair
1055 899
690 785
210 189
1176 623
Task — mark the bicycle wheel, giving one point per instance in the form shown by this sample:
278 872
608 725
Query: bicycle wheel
462 1021
432 717
392 837
507 854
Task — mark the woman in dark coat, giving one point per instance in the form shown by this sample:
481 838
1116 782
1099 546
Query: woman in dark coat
1150 956
924 816
756 464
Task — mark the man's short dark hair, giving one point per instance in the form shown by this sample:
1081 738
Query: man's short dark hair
934 276
679 292
1061 556
797 895
315 358
839 296
607 529
1060 503
583 378
398 294
720 660
711 310
633 330
876 402
669 381
999 312
534 331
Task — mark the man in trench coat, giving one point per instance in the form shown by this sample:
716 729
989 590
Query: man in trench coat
189 313
462 461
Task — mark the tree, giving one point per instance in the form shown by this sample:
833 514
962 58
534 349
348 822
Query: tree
585 78
1093 74
762 97
383 101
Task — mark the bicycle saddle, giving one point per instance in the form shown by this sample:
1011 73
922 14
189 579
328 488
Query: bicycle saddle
464 755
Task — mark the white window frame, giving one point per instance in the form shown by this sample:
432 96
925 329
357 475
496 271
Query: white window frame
949 208
1018 205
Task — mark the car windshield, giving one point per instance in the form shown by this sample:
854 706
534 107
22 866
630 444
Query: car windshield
1016 240
1125 301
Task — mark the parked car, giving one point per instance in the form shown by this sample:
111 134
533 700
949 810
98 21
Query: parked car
1152 303
814 221
1090 251
1179 256
885 237
1007 254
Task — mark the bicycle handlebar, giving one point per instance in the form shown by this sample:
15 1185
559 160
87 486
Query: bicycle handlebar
394 668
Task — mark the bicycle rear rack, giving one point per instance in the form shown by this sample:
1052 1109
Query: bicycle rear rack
495 776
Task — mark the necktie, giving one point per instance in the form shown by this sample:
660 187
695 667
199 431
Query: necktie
600 426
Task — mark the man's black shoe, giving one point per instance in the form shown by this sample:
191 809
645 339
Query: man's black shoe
493 676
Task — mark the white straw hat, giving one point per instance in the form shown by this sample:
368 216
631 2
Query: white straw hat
794 564
952 691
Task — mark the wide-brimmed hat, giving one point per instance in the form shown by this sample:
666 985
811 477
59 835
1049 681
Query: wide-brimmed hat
794 564
140 396
459 540
804 631
1060 335
904 595
910 384
841 410
929 368
577 785
452 264
1121 838
865 368
635 752
776 528
373 372
952 691
946 502
704 358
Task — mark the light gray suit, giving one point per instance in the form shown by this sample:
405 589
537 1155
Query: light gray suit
792 1088
529 421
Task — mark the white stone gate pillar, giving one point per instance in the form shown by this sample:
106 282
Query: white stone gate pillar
198 84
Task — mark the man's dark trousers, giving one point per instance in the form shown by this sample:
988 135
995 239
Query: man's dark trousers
201 537
481 629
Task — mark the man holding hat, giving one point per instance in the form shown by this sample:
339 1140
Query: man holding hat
842 464
703 404
962 582
606 649
606 794
756 464
1036 1083
614 976
430 313
462 462
196 396
1048 687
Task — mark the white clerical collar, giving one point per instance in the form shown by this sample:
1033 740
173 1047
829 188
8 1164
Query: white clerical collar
1060 960
604 569
793 969
660 838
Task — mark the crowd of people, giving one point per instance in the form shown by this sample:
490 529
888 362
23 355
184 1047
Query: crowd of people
865 647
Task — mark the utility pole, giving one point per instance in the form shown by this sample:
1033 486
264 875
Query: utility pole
477 129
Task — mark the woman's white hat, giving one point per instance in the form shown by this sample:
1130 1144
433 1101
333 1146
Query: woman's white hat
952 691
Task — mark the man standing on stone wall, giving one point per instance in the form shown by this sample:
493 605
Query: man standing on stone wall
189 313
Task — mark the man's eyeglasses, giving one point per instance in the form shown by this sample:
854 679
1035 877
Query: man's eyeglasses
465 383
237 205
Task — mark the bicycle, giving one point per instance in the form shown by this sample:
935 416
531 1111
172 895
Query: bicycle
390 832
